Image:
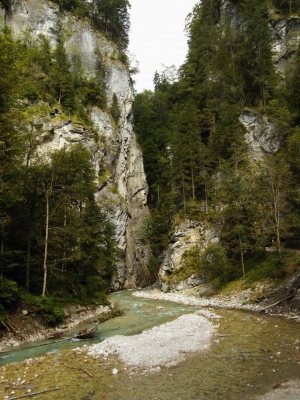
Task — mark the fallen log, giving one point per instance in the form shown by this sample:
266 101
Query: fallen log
87 333
278 384
276 304
33 394
83 370
15 330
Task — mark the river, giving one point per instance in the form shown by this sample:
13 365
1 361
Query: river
249 354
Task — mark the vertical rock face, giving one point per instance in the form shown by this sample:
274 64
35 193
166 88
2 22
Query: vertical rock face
285 32
261 134
189 236
116 156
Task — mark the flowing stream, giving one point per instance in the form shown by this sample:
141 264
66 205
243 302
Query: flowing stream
249 355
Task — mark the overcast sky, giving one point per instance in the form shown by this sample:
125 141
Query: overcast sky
157 36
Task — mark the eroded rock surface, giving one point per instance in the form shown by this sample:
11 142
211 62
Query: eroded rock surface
116 156
261 134
188 236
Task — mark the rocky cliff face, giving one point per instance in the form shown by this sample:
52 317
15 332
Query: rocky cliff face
189 236
116 156
285 32
261 133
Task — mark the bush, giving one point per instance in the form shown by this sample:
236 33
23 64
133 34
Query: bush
215 264
50 309
8 292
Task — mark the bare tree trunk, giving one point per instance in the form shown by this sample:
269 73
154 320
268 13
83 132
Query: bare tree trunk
242 256
46 246
48 191
263 96
1 253
206 199
27 277
193 181
183 197
64 268
276 210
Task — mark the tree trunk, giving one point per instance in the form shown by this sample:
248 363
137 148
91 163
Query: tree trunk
1 253
193 180
276 210
183 197
206 199
46 245
48 192
27 277
242 256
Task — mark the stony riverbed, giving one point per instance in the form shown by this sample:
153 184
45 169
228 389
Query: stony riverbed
230 355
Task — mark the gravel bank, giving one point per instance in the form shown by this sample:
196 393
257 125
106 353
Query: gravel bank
163 345
215 301
32 331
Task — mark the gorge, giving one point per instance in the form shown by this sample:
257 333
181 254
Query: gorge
191 190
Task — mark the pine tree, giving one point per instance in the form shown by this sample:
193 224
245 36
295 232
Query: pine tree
61 75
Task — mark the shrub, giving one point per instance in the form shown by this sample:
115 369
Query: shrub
49 308
8 292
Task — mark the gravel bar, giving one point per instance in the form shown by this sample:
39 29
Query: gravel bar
163 345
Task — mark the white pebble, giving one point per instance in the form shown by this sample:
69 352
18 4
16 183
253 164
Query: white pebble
115 371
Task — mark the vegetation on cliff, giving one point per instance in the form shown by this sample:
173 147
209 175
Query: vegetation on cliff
196 157
55 241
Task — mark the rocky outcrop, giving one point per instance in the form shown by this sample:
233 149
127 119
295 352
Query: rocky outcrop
188 236
115 154
261 134
285 32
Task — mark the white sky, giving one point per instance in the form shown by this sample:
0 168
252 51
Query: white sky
157 36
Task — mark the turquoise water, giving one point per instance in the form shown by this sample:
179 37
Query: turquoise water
139 315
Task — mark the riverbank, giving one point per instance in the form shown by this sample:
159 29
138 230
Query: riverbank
266 297
28 328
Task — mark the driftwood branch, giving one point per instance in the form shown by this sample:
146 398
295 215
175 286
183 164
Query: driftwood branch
87 333
33 394
278 302
5 326
83 370
15 331
278 384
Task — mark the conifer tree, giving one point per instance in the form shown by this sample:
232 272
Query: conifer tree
61 75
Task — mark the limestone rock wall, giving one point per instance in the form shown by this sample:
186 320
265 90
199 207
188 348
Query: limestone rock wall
187 236
285 32
117 158
261 134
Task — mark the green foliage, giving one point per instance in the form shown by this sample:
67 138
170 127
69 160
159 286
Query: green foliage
9 292
215 264
265 265
112 18
155 232
49 308
115 109
123 58
196 159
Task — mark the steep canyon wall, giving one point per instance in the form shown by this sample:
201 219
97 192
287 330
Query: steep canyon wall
116 156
